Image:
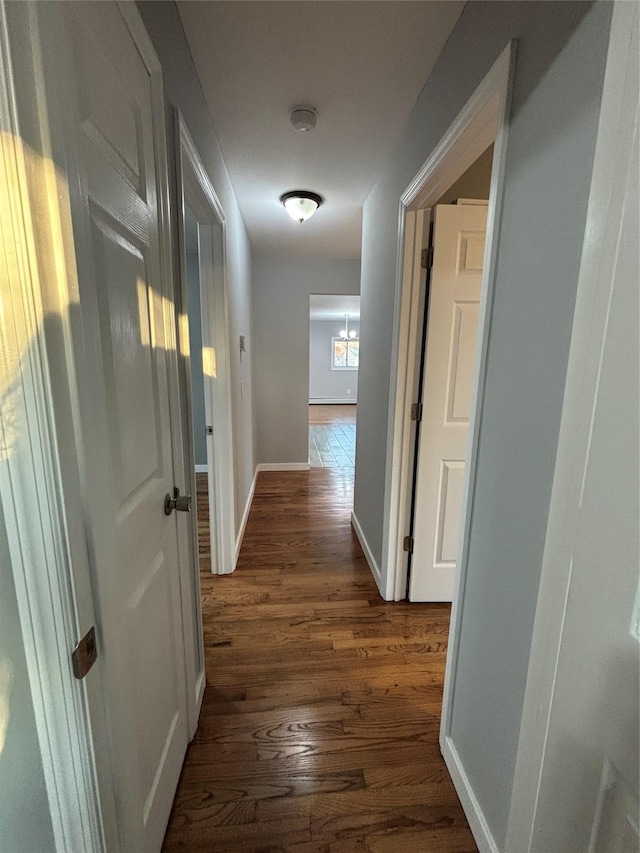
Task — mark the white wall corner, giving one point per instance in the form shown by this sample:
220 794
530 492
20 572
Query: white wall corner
473 812
368 554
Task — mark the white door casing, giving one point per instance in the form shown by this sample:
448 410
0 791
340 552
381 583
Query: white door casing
448 372
483 120
196 191
107 130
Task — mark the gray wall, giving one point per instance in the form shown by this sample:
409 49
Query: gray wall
325 383
195 356
557 89
182 90
282 287
25 822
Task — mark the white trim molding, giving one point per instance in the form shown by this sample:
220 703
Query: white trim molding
470 805
368 553
283 466
326 401
245 517
201 469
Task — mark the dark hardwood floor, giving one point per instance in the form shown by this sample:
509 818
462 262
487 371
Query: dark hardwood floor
319 729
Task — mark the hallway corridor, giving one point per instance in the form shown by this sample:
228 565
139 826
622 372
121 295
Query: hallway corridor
319 728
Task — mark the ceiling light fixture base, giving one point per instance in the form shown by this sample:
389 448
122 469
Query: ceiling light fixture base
303 118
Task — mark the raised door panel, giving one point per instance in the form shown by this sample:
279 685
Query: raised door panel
448 512
461 361
616 821
130 363
470 251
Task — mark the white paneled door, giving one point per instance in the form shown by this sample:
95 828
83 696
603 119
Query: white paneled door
448 371
109 133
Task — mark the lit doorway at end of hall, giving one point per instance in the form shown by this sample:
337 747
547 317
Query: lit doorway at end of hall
334 358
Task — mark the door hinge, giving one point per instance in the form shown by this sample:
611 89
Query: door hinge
416 412
427 258
407 545
209 430
85 653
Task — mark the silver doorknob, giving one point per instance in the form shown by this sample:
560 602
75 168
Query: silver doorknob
181 503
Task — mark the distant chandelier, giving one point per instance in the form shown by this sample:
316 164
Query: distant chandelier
301 204
346 333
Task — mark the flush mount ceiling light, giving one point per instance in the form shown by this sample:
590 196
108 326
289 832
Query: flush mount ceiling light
303 119
301 204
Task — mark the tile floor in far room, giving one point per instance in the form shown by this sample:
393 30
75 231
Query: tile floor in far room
332 444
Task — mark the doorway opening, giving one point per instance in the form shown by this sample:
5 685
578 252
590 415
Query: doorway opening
205 410
199 425
455 229
334 359
204 347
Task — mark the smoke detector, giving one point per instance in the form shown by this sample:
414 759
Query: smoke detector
303 119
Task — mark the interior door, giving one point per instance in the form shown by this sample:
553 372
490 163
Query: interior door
109 133
447 376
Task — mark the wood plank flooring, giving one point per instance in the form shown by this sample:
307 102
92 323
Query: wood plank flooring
332 413
319 729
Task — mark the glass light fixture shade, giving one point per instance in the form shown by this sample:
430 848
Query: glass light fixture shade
301 204
347 333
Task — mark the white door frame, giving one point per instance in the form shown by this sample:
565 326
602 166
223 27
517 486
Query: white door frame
39 475
483 120
609 190
194 184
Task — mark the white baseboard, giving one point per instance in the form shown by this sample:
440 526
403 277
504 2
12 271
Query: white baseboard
320 401
245 517
375 568
283 466
202 469
477 823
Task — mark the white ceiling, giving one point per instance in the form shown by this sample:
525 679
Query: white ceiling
323 307
361 64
